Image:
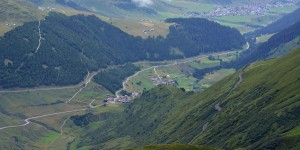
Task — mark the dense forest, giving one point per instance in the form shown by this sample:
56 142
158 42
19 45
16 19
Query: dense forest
60 50
112 79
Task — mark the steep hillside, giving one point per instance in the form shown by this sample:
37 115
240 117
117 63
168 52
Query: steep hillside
256 108
60 50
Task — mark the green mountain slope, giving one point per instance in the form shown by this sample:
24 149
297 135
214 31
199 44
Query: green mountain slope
256 108
60 50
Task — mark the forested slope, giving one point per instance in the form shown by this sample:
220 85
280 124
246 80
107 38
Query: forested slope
255 108
280 24
60 50
278 45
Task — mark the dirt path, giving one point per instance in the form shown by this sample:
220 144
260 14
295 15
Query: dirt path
156 73
27 121
40 38
62 126
86 82
240 81
37 48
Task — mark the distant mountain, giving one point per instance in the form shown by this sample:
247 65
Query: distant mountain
279 44
60 50
255 108
72 5
282 38
280 24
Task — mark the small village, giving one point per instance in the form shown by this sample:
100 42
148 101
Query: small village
120 99
157 80
11 25
125 99
148 30
250 9
46 8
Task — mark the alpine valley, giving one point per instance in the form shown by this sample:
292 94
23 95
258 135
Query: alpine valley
150 74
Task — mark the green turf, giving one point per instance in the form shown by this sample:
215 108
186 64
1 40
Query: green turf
50 138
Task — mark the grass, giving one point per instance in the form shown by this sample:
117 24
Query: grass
263 38
235 19
92 91
204 63
212 78
283 10
50 138
241 28
142 78
293 132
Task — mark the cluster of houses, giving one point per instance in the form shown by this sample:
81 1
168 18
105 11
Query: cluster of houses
146 20
46 8
120 99
148 30
251 9
161 80
11 25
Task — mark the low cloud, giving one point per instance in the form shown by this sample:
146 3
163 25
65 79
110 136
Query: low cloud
143 3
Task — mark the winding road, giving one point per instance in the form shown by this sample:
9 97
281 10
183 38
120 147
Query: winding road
88 80
27 121
61 127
